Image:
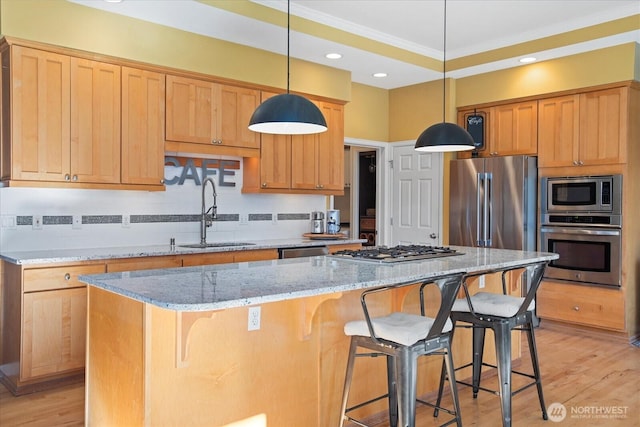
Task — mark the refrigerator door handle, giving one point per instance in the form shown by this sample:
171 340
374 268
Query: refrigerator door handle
488 214
479 212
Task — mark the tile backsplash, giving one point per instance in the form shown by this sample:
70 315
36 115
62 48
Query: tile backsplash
52 218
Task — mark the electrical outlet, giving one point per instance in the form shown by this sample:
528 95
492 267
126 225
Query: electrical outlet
36 222
254 318
481 282
76 224
126 221
244 219
274 219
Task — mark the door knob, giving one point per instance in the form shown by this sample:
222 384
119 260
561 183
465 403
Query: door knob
433 235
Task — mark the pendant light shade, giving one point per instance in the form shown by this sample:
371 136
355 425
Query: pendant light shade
288 114
444 136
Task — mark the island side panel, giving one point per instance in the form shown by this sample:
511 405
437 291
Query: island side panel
115 360
230 374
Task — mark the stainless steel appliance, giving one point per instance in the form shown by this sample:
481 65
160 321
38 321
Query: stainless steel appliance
317 222
583 196
493 202
284 253
582 222
590 255
333 221
395 254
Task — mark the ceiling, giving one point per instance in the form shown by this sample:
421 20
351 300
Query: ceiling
403 38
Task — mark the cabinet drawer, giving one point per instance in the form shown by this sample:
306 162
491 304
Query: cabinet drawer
144 263
367 223
585 305
43 279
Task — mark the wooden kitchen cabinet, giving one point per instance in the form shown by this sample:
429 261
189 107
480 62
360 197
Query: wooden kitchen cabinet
300 164
37 113
212 115
143 263
143 123
587 129
229 257
95 122
64 117
512 129
44 325
581 304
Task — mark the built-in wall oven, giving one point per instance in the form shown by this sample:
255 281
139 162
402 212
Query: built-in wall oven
582 222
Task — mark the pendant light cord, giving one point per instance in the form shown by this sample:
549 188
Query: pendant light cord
444 64
288 39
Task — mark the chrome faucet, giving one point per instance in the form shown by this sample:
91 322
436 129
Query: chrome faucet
204 221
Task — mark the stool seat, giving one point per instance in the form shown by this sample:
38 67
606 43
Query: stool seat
492 304
401 328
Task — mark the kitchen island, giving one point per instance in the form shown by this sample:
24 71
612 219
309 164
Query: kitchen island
172 346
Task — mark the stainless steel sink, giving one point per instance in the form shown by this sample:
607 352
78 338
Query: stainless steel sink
216 245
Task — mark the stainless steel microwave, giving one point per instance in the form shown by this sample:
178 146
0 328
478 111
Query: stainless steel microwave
593 194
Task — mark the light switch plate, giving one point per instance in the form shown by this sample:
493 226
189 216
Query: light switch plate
36 222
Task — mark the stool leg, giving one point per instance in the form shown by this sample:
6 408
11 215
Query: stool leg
451 371
392 387
406 364
443 374
478 350
536 368
502 333
353 348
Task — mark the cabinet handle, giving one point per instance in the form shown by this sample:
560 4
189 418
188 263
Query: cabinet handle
67 177
75 178
216 141
576 308
67 277
580 162
162 181
575 163
264 185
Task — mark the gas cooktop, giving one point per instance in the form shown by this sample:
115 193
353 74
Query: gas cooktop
383 254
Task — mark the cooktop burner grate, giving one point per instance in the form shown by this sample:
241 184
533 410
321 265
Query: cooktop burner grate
398 253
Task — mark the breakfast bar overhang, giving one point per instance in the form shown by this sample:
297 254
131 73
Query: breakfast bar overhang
172 346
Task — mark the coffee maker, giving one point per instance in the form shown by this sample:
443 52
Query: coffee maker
317 222
333 221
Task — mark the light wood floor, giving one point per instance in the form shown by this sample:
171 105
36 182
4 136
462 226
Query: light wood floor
579 370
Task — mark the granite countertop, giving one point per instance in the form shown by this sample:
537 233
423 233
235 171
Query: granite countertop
91 254
215 287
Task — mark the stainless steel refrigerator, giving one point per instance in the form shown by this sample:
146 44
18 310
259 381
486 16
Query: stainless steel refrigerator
493 202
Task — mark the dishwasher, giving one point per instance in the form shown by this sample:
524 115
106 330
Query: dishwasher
302 252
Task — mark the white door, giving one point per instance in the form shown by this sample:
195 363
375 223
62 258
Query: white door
416 196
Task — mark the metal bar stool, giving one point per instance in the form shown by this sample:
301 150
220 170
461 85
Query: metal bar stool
503 314
402 338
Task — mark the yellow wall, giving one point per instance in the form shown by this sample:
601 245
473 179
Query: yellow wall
367 115
593 68
62 23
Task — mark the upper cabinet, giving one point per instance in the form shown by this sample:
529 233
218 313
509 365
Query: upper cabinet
143 95
65 118
512 129
213 116
300 163
588 129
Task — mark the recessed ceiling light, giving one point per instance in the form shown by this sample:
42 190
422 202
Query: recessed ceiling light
527 59
333 56
379 75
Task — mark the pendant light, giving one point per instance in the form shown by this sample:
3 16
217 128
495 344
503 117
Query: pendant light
287 113
444 136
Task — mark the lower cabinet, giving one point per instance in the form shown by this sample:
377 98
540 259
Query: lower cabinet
580 304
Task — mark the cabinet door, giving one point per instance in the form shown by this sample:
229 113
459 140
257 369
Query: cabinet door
233 112
514 129
275 161
191 110
95 121
558 131
40 115
304 162
54 332
603 127
330 149
143 97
